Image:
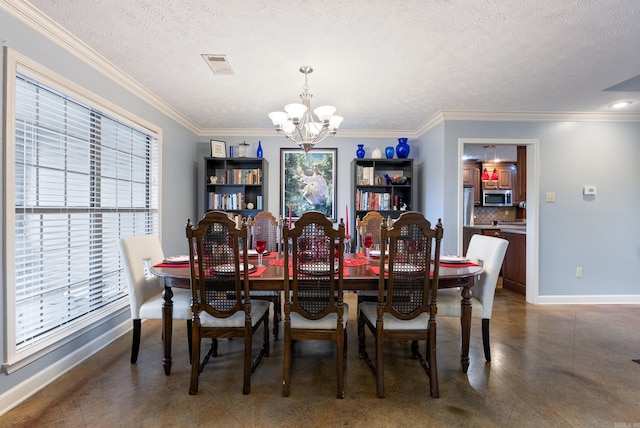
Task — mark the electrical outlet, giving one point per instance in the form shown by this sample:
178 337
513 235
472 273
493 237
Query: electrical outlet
550 197
579 271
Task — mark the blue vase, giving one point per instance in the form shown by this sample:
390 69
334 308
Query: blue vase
402 149
360 151
259 152
389 152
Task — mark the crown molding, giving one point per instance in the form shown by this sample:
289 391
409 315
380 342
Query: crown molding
540 116
43 25
270 132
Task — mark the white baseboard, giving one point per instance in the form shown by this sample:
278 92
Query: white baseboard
35 383
631 299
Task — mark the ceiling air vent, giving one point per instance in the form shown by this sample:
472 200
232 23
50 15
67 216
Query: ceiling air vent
219 64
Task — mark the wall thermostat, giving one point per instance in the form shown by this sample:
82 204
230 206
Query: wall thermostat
589 190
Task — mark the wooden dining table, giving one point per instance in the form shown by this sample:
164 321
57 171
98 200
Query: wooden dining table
361 277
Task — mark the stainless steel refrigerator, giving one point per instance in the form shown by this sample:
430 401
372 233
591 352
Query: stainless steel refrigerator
467 206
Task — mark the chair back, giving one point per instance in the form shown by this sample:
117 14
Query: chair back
370 223
490 251
264 227
410 288
315 288
215 248
139 254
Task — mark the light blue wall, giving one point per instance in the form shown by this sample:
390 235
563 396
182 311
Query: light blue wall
601 234
177 169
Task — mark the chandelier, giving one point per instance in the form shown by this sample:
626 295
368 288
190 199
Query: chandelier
299 125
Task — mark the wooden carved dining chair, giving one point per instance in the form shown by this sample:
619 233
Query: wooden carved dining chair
139 254
313 306
370 223
265 227
407 297
490 252
221 307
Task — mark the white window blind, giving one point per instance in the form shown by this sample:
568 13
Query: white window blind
82 181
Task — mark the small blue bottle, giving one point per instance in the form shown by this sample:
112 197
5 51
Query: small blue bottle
259 152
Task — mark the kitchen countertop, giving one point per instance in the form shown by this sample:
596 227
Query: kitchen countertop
506 227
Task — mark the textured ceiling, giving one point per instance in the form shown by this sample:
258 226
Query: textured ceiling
385 64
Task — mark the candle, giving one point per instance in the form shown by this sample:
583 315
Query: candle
346 209
290 209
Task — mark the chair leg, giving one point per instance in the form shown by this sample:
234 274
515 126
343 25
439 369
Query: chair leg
286 373
190 338
485 339
195 358
379 365
433 364
135 344
277 315
248 335
362 350
340 352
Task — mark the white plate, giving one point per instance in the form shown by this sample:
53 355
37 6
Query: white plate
315 268
230 268
176 259
403 267
453 259
376 253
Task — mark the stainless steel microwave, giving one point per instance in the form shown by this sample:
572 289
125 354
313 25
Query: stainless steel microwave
497 198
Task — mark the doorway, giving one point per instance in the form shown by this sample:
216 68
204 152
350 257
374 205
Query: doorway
532 203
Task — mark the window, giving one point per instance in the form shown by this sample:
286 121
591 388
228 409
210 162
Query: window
82 179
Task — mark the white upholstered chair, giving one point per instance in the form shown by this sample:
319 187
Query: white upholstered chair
139 254
489 251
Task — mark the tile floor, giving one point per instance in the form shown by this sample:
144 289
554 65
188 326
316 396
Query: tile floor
553 366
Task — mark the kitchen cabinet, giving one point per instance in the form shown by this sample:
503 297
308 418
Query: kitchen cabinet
468 173
471 175
467 233
514 267
505 177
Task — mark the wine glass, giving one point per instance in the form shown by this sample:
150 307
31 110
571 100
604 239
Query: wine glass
367 241
261 245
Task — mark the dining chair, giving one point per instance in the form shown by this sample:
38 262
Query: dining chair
139 254
370 223
407 296
221 307
489 252
265 227
313 306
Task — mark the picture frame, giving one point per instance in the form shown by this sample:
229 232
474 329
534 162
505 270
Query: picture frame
309 182
218 149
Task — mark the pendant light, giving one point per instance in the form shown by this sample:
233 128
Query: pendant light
485 175
494 174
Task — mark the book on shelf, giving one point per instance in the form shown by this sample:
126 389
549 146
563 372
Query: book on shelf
220 201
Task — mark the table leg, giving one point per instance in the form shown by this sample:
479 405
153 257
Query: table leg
167 327
465 322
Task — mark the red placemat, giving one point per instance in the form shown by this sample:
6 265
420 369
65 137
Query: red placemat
458 264
259 271
181 265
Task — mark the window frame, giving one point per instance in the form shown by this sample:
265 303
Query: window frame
16 63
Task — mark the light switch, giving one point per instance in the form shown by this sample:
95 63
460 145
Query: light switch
589 190
550 197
